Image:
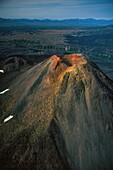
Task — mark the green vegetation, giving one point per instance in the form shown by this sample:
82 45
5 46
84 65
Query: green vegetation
93 42
37 43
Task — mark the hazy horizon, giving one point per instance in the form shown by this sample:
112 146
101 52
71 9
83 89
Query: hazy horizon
60 9
56 19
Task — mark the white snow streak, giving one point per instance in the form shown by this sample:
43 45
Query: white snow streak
2 92
8 118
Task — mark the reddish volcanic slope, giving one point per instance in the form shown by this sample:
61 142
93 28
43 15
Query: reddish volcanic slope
62 117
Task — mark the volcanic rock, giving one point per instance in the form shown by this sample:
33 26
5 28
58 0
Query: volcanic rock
62 117
13 63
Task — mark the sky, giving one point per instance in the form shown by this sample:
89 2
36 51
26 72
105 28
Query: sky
56 9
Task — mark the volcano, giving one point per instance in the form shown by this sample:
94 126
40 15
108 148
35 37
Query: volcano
58 115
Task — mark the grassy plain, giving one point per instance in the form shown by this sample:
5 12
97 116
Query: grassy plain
37 43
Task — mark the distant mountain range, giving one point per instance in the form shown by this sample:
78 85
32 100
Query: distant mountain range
55 23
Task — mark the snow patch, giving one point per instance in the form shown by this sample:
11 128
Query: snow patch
8 118
1 71
2 92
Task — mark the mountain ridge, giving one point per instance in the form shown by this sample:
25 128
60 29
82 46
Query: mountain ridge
63 22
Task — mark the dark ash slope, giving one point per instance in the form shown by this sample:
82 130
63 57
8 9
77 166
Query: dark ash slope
63 117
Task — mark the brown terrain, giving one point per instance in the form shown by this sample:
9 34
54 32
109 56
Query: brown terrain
62 112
